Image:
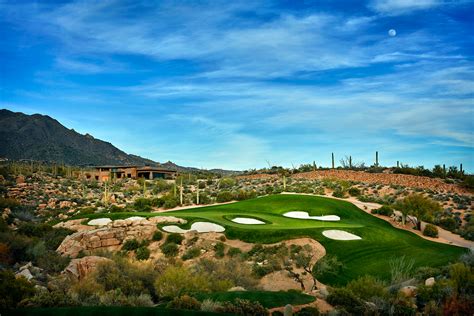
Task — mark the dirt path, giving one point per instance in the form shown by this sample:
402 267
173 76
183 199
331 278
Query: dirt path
445 236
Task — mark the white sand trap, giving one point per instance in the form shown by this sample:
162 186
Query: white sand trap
200 227
247 221
340 235
305 215
99 222
136 218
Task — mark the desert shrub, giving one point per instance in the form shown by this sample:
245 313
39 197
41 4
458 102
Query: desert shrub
157 202
34 230
430 231
52 262
211 306
55 237
224 196
339 193
261 270
308 311
13 290
169 249
342 297
233 251
131 278
5 256
49 299
225 273
367 287
130 245
176 281
174 238
114 209
170 201
448 223
184 302
191 253
226 183
142 253
384 210
354 191
219 248
244 307
157 236
142 205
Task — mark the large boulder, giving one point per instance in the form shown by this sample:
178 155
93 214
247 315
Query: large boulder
80 268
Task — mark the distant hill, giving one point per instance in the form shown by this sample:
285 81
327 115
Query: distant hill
42 138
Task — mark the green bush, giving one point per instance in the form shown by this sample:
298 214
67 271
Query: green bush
157 236
170 202
448 223
342 297
142 253
130 244
174 238
191 253
308 311
219 249
339 193
184 302
354 191
234 252
142 205
157 202
384 210
431 231
13 290
367 287
244 307
224 196
169 249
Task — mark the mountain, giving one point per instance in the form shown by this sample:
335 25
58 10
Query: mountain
42 138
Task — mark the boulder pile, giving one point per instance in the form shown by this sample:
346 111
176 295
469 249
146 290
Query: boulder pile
112 236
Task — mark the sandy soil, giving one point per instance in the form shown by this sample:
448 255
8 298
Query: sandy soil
340 235
305 215
247 221
200 227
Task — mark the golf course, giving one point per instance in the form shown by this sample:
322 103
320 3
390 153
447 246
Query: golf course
380 243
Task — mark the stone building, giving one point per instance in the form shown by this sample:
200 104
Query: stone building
106 173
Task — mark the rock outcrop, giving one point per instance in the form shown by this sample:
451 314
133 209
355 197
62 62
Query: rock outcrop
112 236
80 268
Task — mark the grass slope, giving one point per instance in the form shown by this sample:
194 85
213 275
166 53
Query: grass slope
380 241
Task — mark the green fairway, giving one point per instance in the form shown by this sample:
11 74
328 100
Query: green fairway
380 241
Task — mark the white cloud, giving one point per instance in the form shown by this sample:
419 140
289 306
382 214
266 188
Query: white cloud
394 7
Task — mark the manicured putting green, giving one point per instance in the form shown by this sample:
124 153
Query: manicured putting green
380 242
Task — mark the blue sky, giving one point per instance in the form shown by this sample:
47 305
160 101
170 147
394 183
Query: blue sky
237 84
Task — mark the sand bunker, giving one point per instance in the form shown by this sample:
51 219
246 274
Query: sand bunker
247 221
305 215
200 227
99 222
340 235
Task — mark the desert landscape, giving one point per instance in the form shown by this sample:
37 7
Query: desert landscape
256 158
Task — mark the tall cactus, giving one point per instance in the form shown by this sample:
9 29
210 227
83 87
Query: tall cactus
181 192
376 158
197 192
332 155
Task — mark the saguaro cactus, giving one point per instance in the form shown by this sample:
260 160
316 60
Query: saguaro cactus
332 155
350 162
197 192
376 158
181 192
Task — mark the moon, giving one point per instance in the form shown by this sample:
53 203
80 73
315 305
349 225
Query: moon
392 33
